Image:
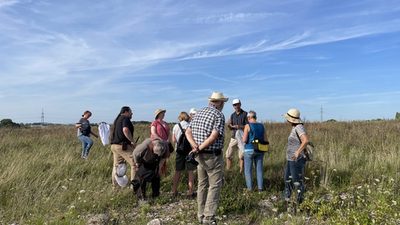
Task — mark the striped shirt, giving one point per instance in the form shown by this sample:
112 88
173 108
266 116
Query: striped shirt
294 142
205 121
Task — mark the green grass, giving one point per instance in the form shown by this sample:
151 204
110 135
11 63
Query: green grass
355 180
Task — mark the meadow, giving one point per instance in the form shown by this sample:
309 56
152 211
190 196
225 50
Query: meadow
354 180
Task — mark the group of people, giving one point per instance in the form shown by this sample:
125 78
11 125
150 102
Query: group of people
204 131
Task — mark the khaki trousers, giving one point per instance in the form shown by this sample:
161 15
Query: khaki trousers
210 179
120 156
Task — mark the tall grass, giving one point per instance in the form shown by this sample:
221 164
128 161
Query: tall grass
43 179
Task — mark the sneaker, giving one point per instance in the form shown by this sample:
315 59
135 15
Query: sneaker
210 221
192 196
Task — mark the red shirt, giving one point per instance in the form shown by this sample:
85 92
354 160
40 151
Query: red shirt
162 129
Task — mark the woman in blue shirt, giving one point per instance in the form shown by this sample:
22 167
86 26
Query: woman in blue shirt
253 130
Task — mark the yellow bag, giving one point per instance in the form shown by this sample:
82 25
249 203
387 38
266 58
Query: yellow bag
260 146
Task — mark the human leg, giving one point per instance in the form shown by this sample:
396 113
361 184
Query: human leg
127 156
116 160
259 165
86 145
229 153
155 186
175 182
215 174
288 181
202 187
299 179
248 169
190 182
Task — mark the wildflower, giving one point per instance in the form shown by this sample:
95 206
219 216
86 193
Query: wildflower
377 180
359 187
343 196
394 202
82 191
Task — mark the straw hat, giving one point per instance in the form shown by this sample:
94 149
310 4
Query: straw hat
120 176
217 96
158 111
293 116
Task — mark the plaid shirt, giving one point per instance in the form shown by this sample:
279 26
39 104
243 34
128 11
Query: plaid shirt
204 122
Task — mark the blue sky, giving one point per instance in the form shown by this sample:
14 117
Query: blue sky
70 56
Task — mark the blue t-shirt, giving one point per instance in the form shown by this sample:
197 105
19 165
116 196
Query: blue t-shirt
256 132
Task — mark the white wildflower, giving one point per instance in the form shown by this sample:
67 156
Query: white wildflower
82 191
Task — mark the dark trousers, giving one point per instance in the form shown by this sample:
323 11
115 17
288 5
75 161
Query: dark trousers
144 176
294 179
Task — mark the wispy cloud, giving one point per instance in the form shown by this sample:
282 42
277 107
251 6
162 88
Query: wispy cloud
235 18
5 3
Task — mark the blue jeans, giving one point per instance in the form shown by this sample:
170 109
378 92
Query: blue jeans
86 145
251 156
294 175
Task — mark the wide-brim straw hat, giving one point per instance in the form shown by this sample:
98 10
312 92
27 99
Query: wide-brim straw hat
158 111
293 116
217 96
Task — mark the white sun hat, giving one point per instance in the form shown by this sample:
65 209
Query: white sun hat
120 176
192 111
235 101
293 116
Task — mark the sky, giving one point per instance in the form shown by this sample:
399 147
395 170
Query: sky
65 57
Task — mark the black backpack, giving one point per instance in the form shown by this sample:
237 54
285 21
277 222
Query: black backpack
183 146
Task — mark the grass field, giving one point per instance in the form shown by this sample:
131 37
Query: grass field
354 180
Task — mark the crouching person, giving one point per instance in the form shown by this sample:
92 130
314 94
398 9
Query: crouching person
149 156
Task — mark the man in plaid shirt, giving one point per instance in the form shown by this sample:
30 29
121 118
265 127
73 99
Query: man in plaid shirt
206 135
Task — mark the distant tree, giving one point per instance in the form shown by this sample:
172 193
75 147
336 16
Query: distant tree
331 121
397 116
8 123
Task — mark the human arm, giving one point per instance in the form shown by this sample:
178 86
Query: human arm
304 142
128 135
246 131
153 132
94 134
209 141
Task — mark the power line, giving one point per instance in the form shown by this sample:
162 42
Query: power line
322 114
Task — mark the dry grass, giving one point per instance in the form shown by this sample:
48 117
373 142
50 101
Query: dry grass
43 178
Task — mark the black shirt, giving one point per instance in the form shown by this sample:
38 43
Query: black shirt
119 137
238 119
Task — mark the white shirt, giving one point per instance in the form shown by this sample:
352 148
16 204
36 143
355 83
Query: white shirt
176 131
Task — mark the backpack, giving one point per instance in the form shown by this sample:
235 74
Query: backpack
308 150
183 146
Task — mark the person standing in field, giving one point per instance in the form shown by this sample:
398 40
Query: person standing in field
236 124
84 132
192 113
180 159
122 143
206 136
159 130
252 131
296 161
